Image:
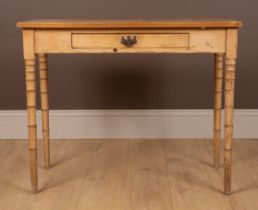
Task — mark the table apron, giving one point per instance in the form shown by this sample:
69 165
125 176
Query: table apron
148 41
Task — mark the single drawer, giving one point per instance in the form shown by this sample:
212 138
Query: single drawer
129 41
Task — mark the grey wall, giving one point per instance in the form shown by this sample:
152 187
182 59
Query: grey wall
128 81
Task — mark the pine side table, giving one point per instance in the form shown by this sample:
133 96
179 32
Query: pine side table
42 37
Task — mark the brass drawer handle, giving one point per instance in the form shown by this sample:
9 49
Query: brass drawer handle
128 41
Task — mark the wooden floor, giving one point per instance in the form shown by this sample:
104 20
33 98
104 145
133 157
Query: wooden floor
128 175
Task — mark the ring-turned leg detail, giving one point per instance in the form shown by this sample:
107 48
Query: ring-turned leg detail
229 109
32 126
218 80
44 106
230 64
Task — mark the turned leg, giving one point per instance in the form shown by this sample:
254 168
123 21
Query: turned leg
230 63
44 106
218 76
29 57
32 127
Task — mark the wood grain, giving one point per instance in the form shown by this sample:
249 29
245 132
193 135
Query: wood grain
148 178
105 41
115 24
89 41
189 182
235 200
135 175
106 183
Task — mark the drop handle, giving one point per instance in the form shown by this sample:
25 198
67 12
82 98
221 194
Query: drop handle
128 41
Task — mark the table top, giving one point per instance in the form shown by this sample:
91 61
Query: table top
129 24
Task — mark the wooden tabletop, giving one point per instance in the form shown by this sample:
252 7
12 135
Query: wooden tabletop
130 24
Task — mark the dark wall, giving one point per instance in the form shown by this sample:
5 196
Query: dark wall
128 81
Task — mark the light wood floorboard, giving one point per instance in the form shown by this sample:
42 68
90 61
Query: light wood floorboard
128 175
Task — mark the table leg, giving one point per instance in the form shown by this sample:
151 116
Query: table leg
29 57
218 76
231 52
44 106
32 126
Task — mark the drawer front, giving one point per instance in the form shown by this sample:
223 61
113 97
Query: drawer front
129 41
